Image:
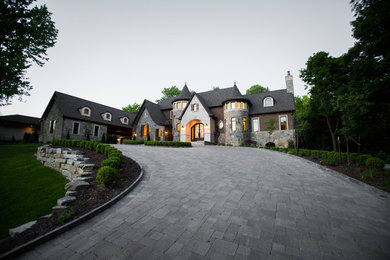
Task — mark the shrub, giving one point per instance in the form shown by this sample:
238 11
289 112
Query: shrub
330 158
111 162
107 176
134 142
291 144
112 139
364 158
315 154
375 164
168 143
98 148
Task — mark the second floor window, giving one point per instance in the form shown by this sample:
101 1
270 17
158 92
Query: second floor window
234 124
244 123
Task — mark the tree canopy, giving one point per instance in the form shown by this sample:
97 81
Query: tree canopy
134 108
257 89
168 93
25 35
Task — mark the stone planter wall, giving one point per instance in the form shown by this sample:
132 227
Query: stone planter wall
68 162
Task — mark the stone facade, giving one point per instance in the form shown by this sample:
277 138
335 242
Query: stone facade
153 128
176 113
83 126
45 135
239 135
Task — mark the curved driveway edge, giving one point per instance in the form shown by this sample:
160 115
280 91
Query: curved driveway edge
50 235
216 202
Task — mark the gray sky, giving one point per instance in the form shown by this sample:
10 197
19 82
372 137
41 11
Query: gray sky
120 52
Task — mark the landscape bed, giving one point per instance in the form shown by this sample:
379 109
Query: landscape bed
86 200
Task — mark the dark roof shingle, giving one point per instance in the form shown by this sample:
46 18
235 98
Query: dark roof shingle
21 119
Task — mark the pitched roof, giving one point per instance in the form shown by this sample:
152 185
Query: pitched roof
185 94
21 119
283 101
202 101
70 107
155 112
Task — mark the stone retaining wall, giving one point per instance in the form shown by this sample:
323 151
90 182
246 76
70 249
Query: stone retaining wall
68 162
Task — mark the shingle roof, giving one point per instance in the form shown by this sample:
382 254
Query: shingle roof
70 107
155 112
185 94
21 119
283 101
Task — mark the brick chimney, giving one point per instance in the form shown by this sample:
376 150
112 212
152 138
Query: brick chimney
289 83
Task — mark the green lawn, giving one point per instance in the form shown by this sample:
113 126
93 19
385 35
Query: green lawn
28 189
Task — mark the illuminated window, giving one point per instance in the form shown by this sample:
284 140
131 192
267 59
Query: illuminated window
174 105
178 105
283 122
255 124
107 116
233 124
233 105
52 126
76 128
85 111
239 105
243 105
227 106
268 102
184 104
178 127
158 133
244 123
145 130
124 120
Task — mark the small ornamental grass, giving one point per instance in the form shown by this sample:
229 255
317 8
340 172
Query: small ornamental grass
107 176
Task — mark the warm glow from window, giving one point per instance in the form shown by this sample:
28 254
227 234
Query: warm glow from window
283 122
174 105
243 105
184 104
178 127
255 124
227 106
238 104
179 105
125 120
159 133
145 130
233 105
244 123
86 111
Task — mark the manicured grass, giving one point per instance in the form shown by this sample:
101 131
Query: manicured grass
28 189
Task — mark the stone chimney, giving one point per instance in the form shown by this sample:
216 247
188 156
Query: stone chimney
289 83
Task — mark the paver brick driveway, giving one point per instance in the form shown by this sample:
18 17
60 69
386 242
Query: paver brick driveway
230 202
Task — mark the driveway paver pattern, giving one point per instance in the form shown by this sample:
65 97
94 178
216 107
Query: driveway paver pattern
217 202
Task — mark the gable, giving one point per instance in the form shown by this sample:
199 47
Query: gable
201 113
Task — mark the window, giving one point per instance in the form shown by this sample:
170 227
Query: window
195 107
283 122
178 105
86 111
233 105
96 131
184 104
268 102
174 105
178 127
174 119
227 106
170 114
76 128
52 126
158 133
244 123
125 120
255 124
238 104
145 130
107 116
233 124
243 105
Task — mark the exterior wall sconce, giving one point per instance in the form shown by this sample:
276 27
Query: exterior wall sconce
166 132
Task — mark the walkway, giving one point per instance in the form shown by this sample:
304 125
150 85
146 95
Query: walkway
231 202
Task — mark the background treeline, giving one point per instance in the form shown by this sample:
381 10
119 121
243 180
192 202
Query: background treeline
349 95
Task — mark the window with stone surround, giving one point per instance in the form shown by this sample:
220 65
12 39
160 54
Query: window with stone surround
76 128
184 104
178 105
234 124
283 122
144 131
159 133
195 107
255 124
178 127
96 131
52 126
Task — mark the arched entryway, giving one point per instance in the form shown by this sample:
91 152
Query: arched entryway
197 132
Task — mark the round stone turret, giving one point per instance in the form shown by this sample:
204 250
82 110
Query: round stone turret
236 118
178 106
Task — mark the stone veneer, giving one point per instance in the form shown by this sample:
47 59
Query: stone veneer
146 119
239 136
279 137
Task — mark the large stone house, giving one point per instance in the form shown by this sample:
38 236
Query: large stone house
222 116
68 115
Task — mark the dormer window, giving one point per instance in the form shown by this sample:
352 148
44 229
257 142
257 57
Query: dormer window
85 111
268 102
125 120
107 116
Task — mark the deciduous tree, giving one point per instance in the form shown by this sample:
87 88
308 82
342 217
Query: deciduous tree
169 92
257 89
134 108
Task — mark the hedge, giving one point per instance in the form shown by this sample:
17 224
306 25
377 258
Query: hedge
134 142
168 143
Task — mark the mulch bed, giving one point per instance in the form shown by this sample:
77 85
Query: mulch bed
86 200
354 171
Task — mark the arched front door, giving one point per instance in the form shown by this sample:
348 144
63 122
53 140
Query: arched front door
197 132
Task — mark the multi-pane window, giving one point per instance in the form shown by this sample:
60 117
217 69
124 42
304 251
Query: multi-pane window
233 105
76 127
227 106
107 116
52 126
244 123
96 131
184 104
255 124
243 105
174 105
234 124
158 133
145 130
238 104
283 122
268 102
